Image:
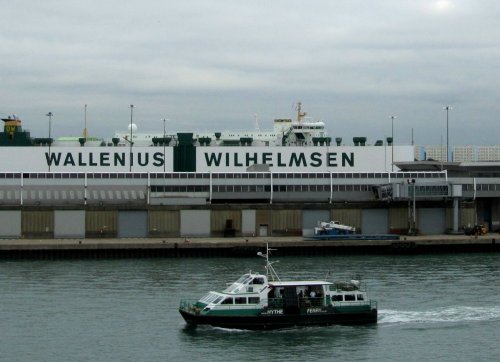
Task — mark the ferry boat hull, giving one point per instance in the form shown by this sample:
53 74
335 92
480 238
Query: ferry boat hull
329 316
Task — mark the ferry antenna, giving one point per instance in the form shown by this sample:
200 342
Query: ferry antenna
270 272
328 272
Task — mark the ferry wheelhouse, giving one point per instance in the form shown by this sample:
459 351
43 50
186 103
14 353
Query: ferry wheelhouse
258 301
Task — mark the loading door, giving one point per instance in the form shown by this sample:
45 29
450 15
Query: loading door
263 229
69 224
375 221
132 224
431 221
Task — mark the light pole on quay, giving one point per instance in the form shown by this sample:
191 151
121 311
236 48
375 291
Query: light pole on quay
50 114
131 134
392 147
448 109
164 130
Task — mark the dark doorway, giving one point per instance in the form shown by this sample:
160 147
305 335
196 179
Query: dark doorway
290 301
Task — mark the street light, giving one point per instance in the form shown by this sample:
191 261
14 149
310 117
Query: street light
131 134
164 162
392 146
447 108
85 125
50 114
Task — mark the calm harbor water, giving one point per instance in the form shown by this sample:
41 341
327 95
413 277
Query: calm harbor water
443 307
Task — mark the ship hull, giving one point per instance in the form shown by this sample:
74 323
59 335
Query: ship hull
268 322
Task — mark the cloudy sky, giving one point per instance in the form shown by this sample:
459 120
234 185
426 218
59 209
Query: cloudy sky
215 64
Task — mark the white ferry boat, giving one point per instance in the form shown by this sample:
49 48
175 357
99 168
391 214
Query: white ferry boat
261 302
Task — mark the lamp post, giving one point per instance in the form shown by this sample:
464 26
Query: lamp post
164 161
392 144
50 114
131 134
85 124
447 108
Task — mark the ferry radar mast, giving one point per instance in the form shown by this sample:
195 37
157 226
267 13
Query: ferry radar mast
270 272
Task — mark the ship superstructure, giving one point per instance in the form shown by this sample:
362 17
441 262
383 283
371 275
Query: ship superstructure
303 131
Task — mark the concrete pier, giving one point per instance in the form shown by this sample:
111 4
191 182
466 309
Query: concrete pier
239 246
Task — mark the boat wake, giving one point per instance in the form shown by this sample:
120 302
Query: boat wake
454 314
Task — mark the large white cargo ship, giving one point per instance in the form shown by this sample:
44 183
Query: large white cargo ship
299 145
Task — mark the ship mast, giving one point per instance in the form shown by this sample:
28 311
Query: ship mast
257 128
270 272
300 114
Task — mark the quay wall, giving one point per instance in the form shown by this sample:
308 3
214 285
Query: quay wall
239 247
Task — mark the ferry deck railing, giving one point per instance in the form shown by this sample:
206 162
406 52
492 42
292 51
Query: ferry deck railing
359 303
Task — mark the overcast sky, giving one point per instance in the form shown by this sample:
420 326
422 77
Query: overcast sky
214 64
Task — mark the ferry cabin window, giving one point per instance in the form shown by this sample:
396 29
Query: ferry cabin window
228 300
218 299
350 297
258 281
360 297
338 298
244 279
209 298
240 300
253 300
